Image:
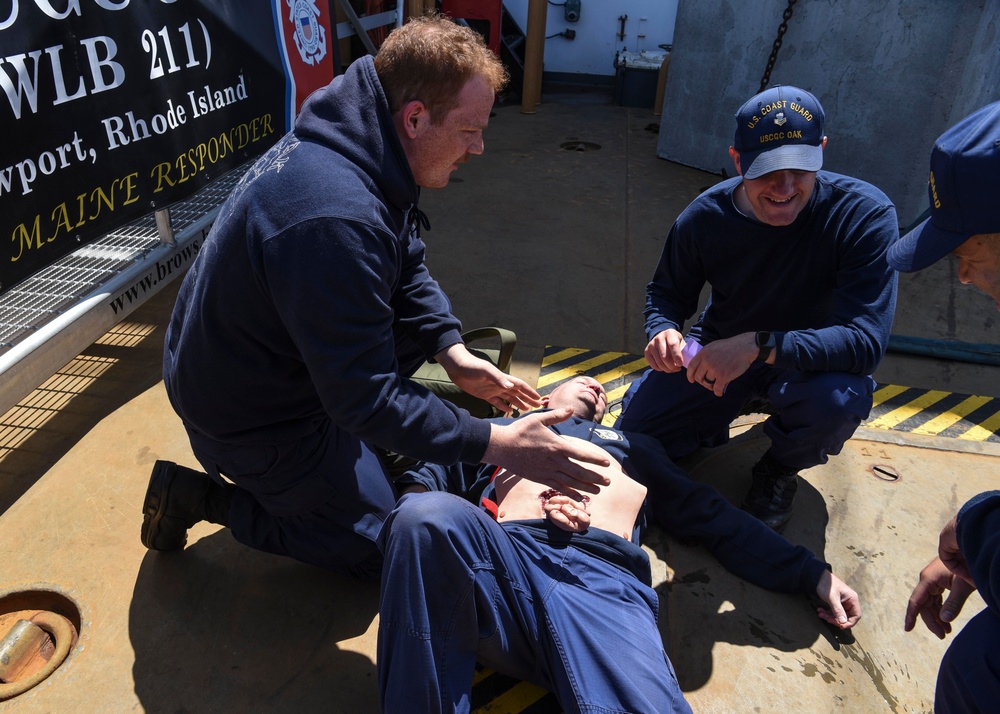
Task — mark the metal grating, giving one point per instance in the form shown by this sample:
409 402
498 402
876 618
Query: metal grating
51 291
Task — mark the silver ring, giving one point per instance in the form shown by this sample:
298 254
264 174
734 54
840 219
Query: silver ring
709 381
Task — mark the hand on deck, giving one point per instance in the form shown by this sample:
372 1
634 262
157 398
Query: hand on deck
844 607
528 446
482 379
926 601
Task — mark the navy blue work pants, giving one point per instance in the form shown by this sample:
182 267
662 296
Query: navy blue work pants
321 499
815 412
969 677
526 600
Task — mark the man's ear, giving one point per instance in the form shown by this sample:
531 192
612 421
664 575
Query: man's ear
413 114
736 159
823 145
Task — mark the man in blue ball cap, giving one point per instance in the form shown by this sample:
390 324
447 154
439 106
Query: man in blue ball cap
964 188
964 191
800 309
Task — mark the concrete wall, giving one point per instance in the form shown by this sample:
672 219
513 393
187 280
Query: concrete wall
891 75
650 23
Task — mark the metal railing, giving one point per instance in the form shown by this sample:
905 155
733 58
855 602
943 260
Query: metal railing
48 318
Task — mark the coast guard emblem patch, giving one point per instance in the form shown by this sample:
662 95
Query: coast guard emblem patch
607 434
310 36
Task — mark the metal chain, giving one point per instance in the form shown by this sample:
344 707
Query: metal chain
782 29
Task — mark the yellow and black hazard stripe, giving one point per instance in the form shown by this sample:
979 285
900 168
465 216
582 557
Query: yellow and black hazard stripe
495 693
615 370
908 409
933 412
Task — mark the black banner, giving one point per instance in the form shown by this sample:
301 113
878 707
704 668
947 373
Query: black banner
110 109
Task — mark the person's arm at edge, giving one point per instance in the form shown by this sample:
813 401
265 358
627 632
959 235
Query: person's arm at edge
978 535
968 555
926 599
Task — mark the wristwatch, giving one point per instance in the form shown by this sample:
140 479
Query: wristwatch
765 343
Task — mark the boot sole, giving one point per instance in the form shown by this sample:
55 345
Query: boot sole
155 534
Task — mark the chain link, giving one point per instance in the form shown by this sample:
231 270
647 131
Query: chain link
782 29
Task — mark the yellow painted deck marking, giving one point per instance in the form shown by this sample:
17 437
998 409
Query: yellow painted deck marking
886 393
925 399
559 375
564 353
638 365
911 408
614 412
514 700
954 415
617 392
984 430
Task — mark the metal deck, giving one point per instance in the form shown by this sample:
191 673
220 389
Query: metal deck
558 246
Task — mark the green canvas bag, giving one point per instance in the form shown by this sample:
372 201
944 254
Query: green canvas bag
432 375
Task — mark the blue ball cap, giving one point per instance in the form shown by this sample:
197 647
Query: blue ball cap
780 128
964 191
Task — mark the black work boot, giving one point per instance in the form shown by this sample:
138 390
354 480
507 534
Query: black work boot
176 499
770 496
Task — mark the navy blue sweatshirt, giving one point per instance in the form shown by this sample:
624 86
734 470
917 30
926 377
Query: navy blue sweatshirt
683 507
821 284
291 313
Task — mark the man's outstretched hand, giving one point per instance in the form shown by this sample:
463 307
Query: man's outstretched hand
528 446
926 599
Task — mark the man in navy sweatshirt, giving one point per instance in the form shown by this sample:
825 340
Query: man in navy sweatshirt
800 309
964 187
309 304
549 585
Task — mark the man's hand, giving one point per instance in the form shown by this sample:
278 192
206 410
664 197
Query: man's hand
664 351
844 607
569 514
482 379
528 446
951 555
926 601
720 362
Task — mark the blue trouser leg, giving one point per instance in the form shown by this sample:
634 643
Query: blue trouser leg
969 678
448 570
683 416
321 500
604 650
458 587
816 412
